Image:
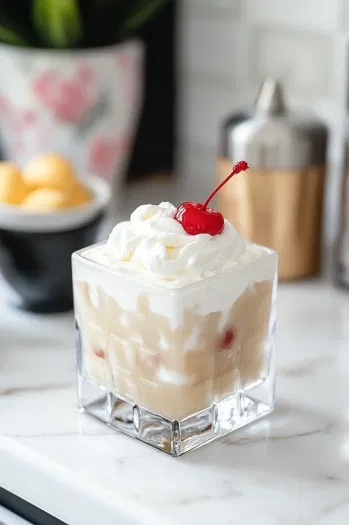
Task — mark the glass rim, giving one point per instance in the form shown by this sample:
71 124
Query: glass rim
166 285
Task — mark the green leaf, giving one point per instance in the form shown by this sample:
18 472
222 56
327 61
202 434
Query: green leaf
11 32
58 22
11 36
141 11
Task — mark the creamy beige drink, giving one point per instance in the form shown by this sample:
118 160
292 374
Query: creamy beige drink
174 322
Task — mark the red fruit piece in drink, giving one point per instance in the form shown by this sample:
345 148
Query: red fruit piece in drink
228 339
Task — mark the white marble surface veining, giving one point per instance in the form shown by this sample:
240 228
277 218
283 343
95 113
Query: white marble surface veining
291 468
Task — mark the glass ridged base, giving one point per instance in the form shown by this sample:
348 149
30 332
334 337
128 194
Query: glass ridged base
175 437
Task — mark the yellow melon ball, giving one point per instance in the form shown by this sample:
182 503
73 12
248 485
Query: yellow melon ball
50 171
45 200
80 195
12 186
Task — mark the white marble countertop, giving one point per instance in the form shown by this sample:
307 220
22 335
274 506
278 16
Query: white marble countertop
291 468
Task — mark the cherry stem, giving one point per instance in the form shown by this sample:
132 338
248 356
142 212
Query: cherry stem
239 166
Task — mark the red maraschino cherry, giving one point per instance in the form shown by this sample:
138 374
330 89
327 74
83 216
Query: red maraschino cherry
198 218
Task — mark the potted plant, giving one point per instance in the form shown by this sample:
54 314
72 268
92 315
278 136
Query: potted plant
71 80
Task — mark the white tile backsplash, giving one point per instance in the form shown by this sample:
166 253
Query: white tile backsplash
215 8
203 106
340 72
302 60
344 15
313 15
209 46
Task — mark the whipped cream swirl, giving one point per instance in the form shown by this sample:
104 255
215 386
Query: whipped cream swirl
152 241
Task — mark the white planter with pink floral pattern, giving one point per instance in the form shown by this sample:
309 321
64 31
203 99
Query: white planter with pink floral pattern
84 104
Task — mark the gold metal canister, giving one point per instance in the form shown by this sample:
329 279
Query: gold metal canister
278 202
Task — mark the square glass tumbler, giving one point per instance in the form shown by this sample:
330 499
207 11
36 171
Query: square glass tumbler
176 367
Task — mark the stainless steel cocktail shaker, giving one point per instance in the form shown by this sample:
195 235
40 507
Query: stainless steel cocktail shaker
279 201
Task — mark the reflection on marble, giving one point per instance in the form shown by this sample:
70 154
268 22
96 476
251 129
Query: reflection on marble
291 468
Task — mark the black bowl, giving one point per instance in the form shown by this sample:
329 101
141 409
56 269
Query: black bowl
36 249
